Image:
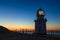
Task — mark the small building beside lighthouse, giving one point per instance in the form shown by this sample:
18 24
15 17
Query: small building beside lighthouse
40 22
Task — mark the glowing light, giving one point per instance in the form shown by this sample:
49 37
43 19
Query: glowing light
41 12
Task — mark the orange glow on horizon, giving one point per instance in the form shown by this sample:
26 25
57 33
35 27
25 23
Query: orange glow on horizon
19 28
52 28
29 28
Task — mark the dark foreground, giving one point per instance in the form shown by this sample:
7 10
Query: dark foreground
18 36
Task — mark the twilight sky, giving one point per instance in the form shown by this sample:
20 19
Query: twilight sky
22 13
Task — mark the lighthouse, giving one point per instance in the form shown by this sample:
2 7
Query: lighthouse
40 22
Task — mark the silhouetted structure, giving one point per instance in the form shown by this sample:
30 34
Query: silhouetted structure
40 22
3 29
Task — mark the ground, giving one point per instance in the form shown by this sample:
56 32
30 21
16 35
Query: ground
19 36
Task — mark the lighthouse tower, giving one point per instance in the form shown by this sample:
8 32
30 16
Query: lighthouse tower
40 22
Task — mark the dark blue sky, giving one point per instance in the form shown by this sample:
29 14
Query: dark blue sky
23 12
